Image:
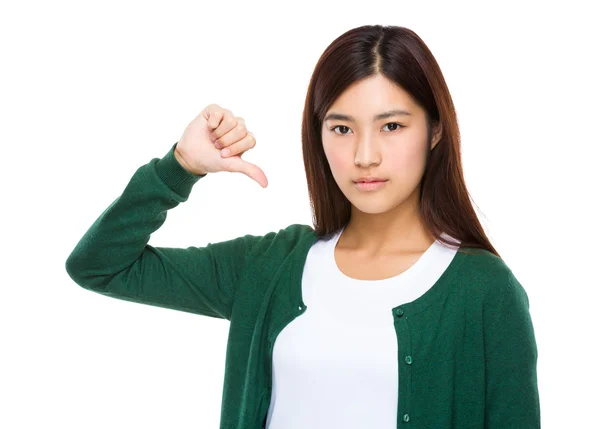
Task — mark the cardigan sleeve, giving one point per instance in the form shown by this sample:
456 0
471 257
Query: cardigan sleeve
512 399
113 258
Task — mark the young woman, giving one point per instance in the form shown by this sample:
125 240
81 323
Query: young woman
393 309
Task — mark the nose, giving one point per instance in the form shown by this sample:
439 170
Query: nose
367 153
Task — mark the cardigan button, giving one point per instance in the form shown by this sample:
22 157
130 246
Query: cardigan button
399 312
406 418
408 360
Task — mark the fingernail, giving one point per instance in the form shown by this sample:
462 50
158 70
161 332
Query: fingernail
225 152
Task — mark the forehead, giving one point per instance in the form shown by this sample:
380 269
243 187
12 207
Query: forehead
372 96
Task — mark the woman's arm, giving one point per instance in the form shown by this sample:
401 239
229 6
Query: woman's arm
512 399
114 259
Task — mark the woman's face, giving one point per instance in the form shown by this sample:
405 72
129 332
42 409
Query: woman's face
393 148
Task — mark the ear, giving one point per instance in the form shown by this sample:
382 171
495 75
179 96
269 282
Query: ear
436 134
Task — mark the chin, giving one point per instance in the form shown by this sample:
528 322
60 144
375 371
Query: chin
372 208
370 205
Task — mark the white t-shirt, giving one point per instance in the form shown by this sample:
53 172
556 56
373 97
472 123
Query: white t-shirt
343 349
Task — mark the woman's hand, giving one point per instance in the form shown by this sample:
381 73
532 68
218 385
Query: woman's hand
200 150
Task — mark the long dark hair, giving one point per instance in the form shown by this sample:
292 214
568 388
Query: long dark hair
400 55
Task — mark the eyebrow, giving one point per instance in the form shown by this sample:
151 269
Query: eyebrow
383 115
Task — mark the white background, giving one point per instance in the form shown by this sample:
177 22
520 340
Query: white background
93 90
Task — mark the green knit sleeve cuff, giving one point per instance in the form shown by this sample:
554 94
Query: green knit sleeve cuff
172 173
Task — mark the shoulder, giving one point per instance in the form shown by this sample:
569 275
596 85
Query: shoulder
482 263
279 243
492 280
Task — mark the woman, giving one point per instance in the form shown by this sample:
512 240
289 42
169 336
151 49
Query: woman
393 309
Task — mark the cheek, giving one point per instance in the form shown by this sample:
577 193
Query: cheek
407 164
337 161
413 156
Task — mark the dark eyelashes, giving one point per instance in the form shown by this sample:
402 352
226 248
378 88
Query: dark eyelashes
389 123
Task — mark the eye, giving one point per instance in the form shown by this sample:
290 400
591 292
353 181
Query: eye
395 123
389 123
340 126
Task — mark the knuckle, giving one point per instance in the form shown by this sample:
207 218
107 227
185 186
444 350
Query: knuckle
230 121
233 151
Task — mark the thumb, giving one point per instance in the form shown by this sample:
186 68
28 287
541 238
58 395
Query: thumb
253 171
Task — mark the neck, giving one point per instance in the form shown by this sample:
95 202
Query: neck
396 231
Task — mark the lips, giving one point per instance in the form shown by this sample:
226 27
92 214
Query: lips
370 186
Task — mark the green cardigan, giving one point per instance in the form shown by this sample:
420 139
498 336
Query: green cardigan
467 352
